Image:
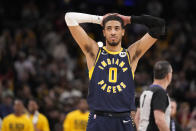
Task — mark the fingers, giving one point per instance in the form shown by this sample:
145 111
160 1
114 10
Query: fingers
108 14
117 14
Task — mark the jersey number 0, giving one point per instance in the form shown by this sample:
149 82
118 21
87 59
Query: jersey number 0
112 74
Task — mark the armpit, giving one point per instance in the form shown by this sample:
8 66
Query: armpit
136 55
89 51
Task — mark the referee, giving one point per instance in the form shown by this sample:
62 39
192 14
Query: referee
154 112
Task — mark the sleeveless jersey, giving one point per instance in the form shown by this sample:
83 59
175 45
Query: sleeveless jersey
111 86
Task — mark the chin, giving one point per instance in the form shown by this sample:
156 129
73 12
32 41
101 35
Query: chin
113 43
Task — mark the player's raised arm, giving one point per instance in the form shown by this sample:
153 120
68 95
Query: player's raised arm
88 45
156 28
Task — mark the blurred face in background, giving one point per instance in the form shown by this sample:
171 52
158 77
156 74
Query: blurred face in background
83 106
173 108
8 100
18 107
32 106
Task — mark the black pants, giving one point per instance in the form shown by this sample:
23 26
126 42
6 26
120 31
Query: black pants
98 122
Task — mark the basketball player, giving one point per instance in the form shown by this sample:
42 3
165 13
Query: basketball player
154 112
111 68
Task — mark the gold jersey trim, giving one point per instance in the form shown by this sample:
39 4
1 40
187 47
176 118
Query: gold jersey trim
111 52
92 69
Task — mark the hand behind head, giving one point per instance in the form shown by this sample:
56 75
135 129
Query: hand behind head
126 19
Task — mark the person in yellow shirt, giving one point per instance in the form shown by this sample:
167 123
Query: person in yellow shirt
77 119
39 121
17 121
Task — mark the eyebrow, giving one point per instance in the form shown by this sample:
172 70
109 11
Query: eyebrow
114 26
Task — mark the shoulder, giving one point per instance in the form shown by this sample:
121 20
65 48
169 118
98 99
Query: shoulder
159 91
159 94
42 116
86 113
73 113
25 117
160 99
11 116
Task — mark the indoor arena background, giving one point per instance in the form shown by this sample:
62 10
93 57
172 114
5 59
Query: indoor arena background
39 58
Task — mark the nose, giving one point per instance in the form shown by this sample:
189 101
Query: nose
113 32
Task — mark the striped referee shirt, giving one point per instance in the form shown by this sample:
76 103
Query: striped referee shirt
153 98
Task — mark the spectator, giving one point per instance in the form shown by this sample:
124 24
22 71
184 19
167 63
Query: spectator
6 107
33 34
192 123
174 125
184 114
40 122
77 119
17 120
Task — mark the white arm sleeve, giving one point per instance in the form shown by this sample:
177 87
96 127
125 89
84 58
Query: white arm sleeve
73 18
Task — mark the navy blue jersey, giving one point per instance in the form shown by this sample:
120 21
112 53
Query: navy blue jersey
111 82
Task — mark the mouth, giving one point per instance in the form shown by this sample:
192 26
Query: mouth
113 38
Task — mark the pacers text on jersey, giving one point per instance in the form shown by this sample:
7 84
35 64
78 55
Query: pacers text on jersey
112 75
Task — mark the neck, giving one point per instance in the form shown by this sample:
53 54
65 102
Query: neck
113 48
33 112
82 111
17 114
162 83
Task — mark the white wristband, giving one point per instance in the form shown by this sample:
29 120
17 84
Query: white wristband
73 18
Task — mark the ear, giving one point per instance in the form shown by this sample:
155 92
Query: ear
167 77
103 32
123 32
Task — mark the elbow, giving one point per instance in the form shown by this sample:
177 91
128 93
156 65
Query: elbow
158 31
67 16
161 22
158 121
69 19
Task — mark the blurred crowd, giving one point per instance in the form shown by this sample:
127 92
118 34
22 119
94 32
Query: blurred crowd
39 58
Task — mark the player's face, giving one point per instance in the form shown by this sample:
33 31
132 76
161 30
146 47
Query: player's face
32 106
113 32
